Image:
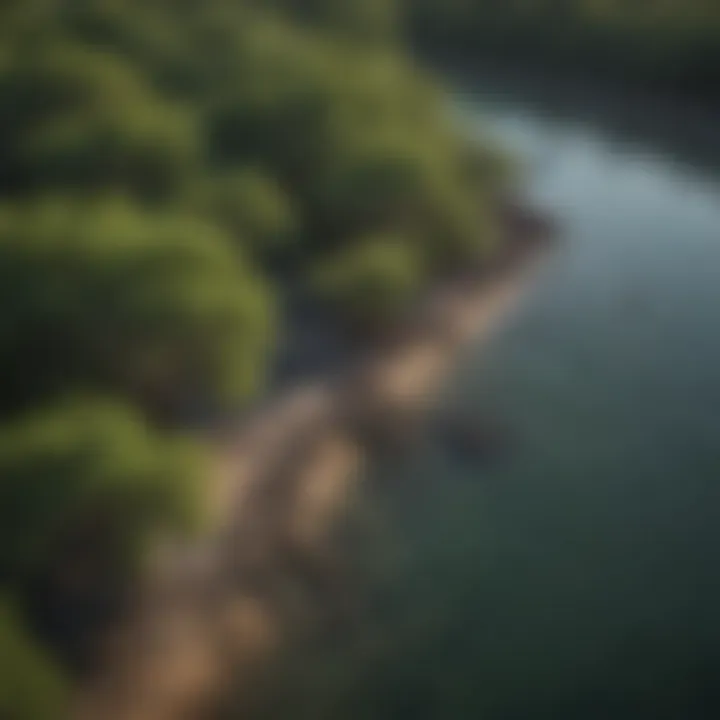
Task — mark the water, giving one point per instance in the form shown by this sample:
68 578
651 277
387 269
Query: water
581 578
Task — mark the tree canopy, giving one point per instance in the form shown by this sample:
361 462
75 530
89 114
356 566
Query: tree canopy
32 687
167 169
83 484
370 281
106 296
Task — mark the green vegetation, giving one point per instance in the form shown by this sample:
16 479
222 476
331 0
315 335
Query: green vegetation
369 278
101 295
31 687
667 43
83 484
167 167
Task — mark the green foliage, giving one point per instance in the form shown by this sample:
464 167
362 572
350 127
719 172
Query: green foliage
371 282
461 228
157 306
83 117
253 207
31 687
428 192
159 161
365 19
83 485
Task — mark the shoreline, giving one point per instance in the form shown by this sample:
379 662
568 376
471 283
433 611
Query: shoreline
211 613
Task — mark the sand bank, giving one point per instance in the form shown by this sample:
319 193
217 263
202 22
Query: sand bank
209 615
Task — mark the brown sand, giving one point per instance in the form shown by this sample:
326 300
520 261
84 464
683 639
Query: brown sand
207 618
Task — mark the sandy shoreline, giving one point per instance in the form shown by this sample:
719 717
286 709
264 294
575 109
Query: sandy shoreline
209 616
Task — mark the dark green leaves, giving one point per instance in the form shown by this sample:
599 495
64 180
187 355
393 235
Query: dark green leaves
154 306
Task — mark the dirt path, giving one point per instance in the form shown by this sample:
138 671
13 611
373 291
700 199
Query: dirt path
207 616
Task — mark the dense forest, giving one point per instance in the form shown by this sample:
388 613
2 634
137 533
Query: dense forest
670 44
167 169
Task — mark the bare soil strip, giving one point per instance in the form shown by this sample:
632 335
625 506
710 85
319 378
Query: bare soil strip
206 619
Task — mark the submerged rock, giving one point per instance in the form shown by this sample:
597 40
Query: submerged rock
481 439
526 223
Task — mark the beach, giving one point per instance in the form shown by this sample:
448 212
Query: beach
211 612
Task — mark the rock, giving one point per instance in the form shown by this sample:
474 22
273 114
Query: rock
527 224
481 439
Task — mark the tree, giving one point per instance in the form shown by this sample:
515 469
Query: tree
252 207
84 118
165 169
83 485
31 686
160 307
366 19
371 282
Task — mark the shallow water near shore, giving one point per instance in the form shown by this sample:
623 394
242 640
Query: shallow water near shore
577 578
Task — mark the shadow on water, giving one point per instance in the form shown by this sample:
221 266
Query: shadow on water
684 132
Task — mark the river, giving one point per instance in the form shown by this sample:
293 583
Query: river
579 578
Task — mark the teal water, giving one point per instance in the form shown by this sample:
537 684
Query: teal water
579 579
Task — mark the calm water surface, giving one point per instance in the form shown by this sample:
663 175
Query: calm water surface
581 578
